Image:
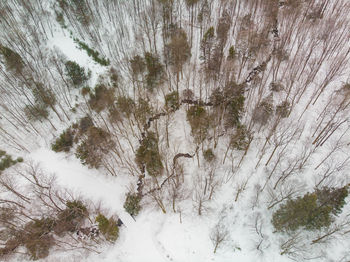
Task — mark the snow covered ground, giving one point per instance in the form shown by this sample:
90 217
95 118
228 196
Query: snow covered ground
184 236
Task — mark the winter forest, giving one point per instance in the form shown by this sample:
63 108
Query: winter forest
174 130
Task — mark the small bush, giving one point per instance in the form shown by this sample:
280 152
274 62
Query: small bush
114 77
333 197
132 204
125 105
276 86
95 145
263 112
84 124
39 248
209 34
187 94
13 61
191 2
108 227
69 219
101 98
143 110
82 153
86 90
6 160
10 246
197 116
231 53
233 96
36 112
217 97
76 73
64 142
240 139
138 65
37 238
155 71
208 155
92 53
148 154
283 109
114 115
172 101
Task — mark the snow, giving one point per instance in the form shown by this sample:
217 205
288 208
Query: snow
185 236
154 236
65 43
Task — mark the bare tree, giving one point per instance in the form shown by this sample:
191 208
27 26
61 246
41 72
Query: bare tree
219 235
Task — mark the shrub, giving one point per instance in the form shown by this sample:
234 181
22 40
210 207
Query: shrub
148 154
172 101
198 118
64 142
209 34
125 105
114 115
92 53
208 155
138 65
263 112
333 197
86 90
231 53
143 110
76 73
69 219
42 95
233 96
84 124
114 77
223 28
36 112
283 109
276 86
108 227
92 149
13 61
60 19
191 2
155 71
217 97
234 111
101 98
82 153
240 139
207 44
188 94
37 238
76 209
10 246
39 247
6 160
132 204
